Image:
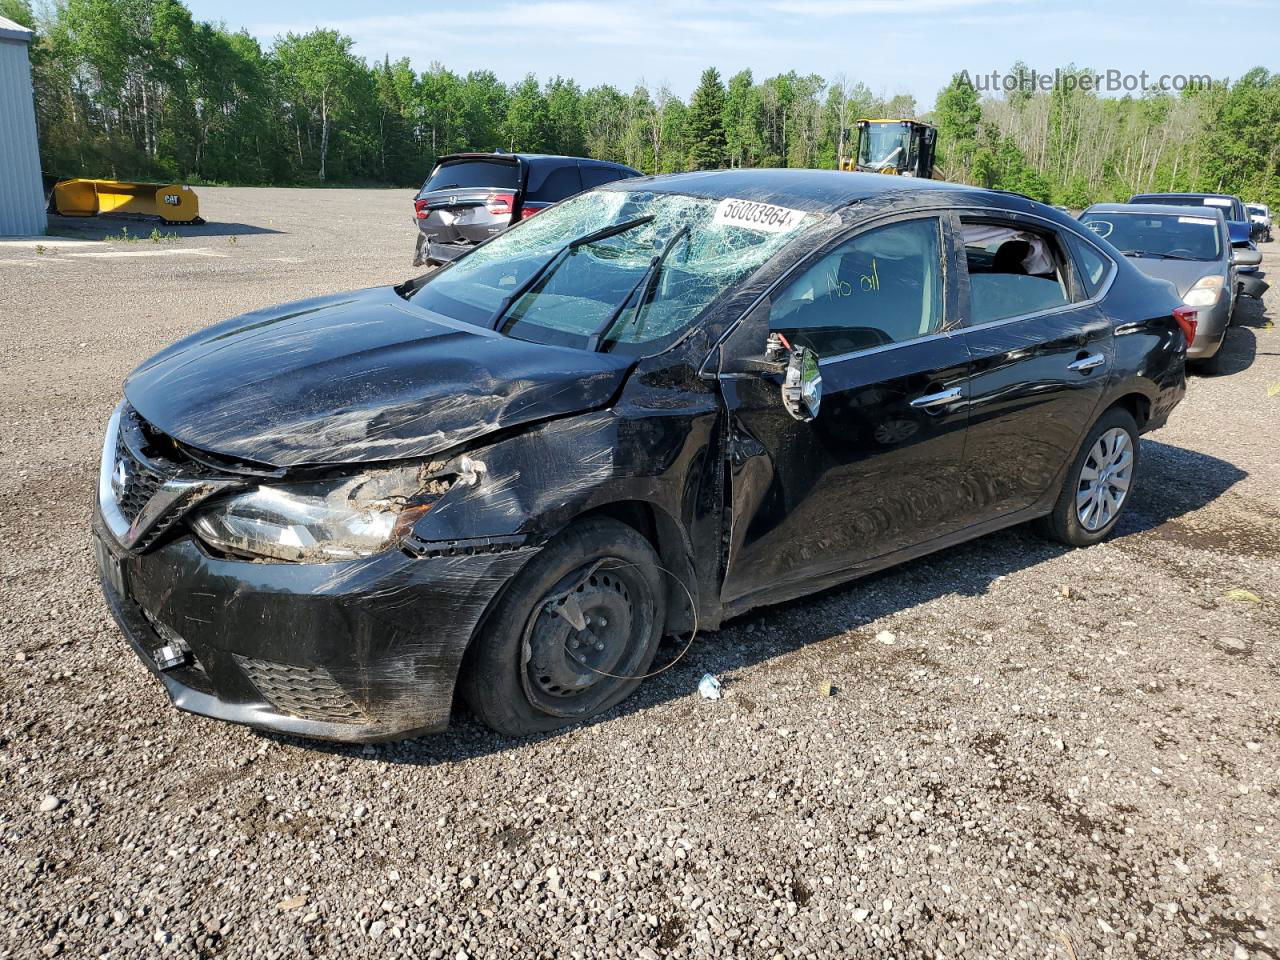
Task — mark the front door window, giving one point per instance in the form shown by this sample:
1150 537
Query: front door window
880 287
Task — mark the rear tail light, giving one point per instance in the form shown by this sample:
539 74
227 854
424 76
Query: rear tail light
527 212
1186 317
500 204
420 209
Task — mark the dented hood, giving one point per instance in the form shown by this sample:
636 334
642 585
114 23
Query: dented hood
358 377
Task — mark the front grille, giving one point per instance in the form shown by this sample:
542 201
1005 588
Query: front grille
134 482
149 470
306 692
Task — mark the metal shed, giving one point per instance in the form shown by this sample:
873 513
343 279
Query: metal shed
22 203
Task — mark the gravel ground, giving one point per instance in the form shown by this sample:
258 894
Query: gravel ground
1028 751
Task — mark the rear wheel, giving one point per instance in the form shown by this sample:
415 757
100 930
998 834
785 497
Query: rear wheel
571 634
1098 482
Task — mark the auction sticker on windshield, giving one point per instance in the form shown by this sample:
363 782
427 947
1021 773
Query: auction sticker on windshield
1204 220
757 216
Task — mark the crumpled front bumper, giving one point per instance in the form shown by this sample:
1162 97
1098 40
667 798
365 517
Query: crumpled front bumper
356 651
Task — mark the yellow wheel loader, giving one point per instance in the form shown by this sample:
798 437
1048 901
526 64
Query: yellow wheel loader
900 147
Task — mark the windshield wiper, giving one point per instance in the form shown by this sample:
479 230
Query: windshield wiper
646 284
604 233
1152 253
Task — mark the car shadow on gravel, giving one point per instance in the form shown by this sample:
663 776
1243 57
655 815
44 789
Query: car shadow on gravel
1175 482
103 228
1242 345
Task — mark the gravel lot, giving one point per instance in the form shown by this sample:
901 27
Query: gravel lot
1055 754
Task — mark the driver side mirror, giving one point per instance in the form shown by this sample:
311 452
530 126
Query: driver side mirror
802 384
1246 258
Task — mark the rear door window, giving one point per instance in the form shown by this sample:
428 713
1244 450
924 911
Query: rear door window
594 176
1013 271
550 183
461 174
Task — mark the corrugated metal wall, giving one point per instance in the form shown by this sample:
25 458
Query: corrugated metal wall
22 204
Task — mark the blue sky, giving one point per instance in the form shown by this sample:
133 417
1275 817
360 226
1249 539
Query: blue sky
894 46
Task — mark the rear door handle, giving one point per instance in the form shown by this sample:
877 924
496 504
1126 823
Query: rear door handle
931 401
1085 364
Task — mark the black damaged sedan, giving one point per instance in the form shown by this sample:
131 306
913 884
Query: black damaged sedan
650 408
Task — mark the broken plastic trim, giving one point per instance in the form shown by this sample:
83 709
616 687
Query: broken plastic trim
469 547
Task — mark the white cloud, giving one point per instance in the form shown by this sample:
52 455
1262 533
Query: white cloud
512 37
846 8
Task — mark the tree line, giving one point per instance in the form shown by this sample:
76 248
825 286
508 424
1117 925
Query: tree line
138 89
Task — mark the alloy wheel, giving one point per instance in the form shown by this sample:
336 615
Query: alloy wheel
1104 481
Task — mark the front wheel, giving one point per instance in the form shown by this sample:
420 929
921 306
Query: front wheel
572 634
1098 484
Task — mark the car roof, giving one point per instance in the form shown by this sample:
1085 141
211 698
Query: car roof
814 191
1166 209
534 157
1190 196
1193 193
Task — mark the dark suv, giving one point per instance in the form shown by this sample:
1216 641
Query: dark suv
470 197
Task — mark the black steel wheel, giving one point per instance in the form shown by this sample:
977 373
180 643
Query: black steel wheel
572 633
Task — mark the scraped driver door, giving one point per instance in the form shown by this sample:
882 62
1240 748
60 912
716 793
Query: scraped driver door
877 471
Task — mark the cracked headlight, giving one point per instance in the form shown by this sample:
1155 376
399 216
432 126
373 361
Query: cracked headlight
322 520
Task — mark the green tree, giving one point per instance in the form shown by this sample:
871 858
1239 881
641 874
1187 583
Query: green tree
604 122
564 117
743 121
957 115
140 89
704 124
317 72
528 123
19 11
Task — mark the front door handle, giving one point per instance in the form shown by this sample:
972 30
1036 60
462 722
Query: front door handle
1085 364
931 401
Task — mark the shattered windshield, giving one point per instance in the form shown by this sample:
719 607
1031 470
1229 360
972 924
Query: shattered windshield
633 290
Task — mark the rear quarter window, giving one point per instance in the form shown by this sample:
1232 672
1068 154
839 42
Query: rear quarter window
552 183
1091 265
593 176
1231 208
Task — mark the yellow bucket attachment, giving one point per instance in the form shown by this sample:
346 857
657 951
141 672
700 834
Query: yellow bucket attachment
171 202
